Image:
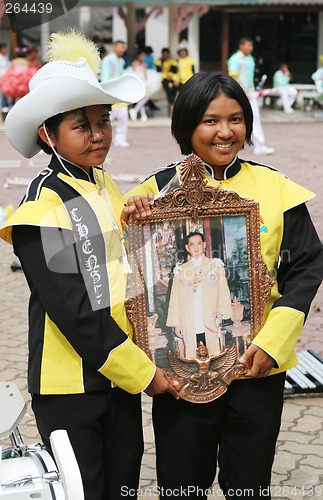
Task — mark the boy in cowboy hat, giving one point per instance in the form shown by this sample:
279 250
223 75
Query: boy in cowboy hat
69 239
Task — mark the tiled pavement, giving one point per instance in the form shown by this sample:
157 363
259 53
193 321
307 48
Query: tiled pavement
297 139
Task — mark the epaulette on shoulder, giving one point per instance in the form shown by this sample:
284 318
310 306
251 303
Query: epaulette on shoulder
257 164
161 169
35 185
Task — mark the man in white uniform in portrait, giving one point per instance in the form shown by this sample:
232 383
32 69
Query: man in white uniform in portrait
199 300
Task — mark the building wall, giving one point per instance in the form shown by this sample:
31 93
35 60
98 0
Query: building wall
157 32
292 37
296 37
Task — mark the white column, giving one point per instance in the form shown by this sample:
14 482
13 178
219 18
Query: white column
119 30
157 36
84 18
320 38
194 40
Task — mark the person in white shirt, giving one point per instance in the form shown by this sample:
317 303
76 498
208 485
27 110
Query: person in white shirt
241 66
287 92
317 77
4 66
112 66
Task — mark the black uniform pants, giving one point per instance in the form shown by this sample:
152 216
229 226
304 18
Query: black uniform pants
170 90
238 430
105 430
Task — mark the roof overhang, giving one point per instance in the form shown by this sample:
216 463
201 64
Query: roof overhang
224 3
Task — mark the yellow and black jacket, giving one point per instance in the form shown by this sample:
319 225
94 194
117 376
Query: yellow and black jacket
79 333
168 69
290 248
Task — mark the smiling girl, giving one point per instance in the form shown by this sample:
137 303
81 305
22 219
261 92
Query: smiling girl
212 118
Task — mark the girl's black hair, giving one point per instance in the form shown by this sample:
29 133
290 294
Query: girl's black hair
54 122
51 125
195 96
22 51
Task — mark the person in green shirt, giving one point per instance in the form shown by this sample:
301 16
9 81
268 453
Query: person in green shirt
287 92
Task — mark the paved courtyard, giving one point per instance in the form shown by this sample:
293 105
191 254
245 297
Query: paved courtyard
297 139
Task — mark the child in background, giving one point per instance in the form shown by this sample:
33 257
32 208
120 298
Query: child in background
185 64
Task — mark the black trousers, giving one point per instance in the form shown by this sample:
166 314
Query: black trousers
239 430
105 430
170 90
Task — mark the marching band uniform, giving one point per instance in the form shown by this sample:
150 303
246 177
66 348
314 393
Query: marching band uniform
80 342
68 236
193 431
52 204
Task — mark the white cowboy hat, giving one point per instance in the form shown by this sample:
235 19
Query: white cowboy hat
61 86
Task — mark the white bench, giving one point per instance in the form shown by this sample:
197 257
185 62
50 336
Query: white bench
311 100
307 376
307 95
272 100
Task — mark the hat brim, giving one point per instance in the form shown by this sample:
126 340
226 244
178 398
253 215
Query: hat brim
58 95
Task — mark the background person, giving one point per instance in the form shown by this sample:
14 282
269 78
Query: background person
317 77
112 66
85 374
4 66
151 81
103 51
212 118
150 63
288 93
149 57
185 64
33 58
167 67
241 66
15 82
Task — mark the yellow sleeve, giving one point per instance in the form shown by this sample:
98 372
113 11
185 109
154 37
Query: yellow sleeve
36 213
143 189
279 336
125 361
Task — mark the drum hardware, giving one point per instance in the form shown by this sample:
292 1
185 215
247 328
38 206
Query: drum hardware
16 440
11 452
16 451
29 471
48 477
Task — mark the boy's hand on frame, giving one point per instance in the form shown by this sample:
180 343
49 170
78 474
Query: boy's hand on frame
258 362
160 384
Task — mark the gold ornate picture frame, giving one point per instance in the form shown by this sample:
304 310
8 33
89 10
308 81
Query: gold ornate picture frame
198 287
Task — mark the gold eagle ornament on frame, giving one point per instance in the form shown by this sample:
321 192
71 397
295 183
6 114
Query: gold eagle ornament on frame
198 288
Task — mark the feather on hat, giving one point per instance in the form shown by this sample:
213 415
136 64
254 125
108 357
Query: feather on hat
68 81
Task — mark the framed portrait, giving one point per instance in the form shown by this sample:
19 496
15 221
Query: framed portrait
198 287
